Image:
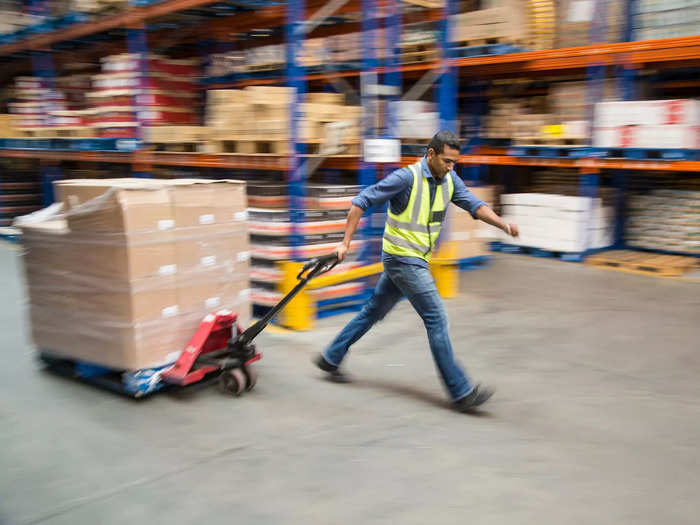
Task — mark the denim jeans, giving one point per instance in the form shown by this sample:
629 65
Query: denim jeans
417 285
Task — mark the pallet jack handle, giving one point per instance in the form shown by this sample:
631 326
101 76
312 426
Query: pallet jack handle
310 270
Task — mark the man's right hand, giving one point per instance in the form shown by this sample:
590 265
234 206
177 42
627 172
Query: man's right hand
341 250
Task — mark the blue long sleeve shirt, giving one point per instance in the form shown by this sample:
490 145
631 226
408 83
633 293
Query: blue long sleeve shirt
396 188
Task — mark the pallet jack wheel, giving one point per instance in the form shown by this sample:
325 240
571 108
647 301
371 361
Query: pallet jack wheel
233 381
251 377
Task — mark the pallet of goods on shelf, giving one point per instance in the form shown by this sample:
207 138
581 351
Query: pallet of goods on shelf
664 219
257 120
559 118
556 218
123 275
648 124
505 23
583 23
321 230
654 19
157 91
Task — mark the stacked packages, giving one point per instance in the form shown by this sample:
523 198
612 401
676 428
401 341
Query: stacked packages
559 223
124 274
162 92
664 220
647 124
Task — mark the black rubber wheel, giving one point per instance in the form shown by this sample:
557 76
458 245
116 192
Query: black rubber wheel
232 381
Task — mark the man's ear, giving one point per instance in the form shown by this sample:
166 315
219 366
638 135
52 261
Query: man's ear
431 153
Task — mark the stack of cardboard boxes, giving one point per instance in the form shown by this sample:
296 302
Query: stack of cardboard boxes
647 124
261 114
563 223
123 276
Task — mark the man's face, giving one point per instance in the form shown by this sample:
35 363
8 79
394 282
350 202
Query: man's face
441 163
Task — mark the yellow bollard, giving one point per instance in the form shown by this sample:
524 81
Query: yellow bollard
446 275
445 271
300 312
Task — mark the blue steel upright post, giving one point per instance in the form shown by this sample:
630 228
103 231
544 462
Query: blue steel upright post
43 68
368 88
296 181
137 45
589 180
627 85
447 88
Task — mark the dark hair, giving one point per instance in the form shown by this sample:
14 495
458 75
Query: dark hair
444 138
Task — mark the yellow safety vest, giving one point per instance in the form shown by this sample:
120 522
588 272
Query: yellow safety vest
413 232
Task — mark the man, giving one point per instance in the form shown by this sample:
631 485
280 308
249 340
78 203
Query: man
418 196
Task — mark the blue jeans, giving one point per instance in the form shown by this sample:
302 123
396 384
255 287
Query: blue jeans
417 285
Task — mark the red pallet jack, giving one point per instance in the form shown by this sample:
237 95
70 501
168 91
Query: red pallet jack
220 349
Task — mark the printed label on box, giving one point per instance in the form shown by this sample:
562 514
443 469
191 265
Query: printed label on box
167 269
169 311
212 302
206 219
209 260
240 216
242 256
166 224
244 294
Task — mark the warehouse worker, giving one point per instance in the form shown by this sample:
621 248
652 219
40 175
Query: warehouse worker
418 196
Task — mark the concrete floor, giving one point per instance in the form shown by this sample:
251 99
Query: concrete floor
596 419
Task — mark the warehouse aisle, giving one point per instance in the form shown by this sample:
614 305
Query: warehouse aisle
596 419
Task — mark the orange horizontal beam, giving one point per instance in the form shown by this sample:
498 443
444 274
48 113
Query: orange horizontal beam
281 162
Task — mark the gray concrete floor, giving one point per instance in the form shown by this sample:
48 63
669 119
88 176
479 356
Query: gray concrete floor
596 419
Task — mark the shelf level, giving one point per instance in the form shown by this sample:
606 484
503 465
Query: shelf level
281 162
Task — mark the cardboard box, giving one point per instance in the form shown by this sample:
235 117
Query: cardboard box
225 97
326 98
115 205
212 247
132 299
199 202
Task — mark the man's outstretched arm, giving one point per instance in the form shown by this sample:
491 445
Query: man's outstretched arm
354 216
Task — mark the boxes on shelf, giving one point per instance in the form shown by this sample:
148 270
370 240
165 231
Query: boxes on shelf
654 19
667 219
123 276
505 23
563 223
647 124
262 114
576 19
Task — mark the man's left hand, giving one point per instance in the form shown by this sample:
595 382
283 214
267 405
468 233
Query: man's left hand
512 230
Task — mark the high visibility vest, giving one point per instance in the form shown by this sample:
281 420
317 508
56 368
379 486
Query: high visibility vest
413 232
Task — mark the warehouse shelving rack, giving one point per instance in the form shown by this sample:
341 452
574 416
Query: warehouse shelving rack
624 57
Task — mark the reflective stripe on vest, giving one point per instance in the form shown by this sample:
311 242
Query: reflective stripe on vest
413 232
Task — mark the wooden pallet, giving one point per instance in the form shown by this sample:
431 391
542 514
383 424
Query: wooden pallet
474 42
645 263
254 68
416 57
247 147
551 141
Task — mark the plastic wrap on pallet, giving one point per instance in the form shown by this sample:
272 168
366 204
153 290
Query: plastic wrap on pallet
124 271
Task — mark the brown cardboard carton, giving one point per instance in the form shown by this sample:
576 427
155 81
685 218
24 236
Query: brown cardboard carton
202 202
211 247
117 345
116 205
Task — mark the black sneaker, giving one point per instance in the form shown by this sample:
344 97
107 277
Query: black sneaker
476 397
334 374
